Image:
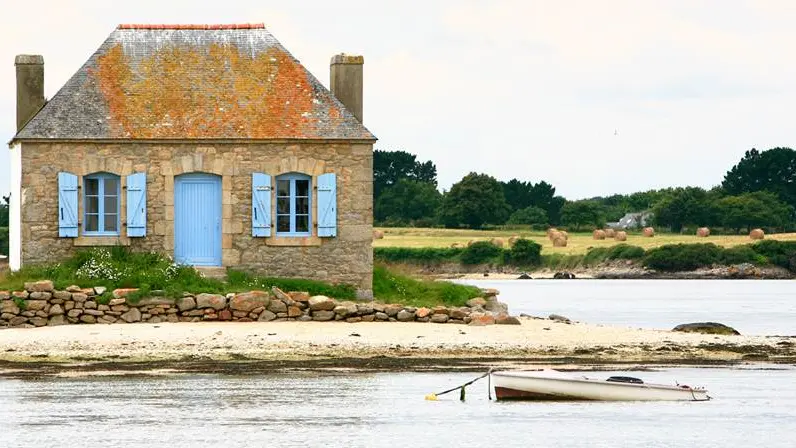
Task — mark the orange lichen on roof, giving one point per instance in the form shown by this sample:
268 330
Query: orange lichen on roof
195 26
185 92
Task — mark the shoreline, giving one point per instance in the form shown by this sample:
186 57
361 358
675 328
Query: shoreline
260 348
606 271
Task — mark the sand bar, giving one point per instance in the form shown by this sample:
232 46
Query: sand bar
395 346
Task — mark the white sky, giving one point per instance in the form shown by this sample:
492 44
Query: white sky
513 88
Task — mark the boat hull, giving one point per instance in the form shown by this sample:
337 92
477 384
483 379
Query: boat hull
529 386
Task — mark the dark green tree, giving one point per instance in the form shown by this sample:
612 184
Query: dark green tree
773 170
518 193
475 200
528 216
757 209
683 206
391 166
408 202
584 212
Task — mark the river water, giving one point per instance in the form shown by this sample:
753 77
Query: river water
753 307
750 408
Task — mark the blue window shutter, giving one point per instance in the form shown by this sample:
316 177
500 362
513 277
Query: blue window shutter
261 204
67 205
327 205
136 204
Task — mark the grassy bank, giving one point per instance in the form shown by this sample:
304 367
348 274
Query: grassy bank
155 274
666 258
578 243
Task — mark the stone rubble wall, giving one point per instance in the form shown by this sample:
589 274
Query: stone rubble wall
40 304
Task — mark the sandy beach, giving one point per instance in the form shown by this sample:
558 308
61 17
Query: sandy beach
387 346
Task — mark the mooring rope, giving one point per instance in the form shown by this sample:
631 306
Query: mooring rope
433 396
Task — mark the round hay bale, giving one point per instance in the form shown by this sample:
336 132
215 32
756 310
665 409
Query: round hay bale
648 232
757 234
377 234
598 234
550 232
703 232
553 235
513 240
496 242
609 233
560 242
620 236
564 234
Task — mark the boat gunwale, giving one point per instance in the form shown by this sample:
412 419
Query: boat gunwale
524 375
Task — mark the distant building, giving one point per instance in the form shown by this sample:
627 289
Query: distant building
209 143
632 221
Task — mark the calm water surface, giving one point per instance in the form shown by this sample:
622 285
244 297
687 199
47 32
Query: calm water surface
762 307
751 408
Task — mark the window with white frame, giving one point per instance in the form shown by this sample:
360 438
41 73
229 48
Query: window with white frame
293 204
101 204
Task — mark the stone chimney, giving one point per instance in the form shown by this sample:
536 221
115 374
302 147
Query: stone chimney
30 87
346 82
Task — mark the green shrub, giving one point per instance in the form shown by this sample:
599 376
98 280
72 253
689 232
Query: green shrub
780 253
682 257
738 255
525 253
416 255
480 252
624 251
620 251
393 287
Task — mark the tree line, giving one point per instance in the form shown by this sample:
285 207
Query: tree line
759 191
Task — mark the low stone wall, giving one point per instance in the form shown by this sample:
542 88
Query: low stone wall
41 305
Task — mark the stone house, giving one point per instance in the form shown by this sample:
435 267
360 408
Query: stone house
210 143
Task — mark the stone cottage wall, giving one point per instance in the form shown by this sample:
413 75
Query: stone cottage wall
346 258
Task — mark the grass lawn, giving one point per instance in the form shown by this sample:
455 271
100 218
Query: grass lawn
578 243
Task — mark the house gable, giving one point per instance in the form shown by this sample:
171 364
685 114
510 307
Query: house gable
152 82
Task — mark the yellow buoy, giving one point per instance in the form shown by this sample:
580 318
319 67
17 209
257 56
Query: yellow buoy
431 397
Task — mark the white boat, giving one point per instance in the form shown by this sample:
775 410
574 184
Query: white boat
555 385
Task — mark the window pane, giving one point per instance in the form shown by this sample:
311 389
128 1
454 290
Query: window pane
110 204
92 186
302 206
283 188
92 223
302 187
111 186
283 223
282 206
110 222
302 223
92 204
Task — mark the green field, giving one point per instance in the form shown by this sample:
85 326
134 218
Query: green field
577 244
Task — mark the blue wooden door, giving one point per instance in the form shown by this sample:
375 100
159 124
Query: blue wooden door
197 219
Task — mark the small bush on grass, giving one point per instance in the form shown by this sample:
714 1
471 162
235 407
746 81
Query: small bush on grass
740 254
525 253
392 287
480 252
617 252
682 257
780 253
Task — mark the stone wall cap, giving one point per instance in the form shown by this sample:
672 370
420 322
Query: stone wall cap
343 58
29 59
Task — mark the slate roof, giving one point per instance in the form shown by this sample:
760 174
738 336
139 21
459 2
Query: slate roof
193 82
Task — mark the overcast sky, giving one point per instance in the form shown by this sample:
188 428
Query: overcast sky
595 97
